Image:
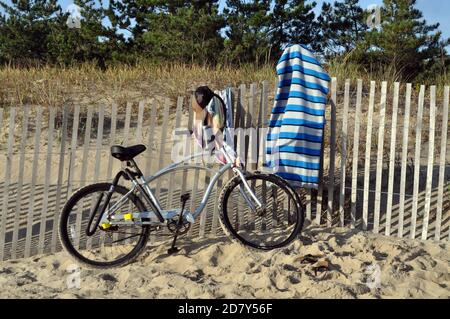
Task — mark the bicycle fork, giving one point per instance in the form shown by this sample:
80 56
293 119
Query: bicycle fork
249 190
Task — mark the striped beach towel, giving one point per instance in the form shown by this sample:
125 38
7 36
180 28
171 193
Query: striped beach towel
296 126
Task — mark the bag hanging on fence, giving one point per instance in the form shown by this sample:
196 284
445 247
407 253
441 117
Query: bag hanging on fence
219 106
297 122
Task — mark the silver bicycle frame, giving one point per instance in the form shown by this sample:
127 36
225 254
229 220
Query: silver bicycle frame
181 165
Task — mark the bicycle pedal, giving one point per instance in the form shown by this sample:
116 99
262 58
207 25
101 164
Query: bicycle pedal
173 250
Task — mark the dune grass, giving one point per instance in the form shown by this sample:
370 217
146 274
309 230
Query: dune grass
86 84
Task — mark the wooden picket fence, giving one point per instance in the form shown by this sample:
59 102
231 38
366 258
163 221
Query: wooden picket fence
385 164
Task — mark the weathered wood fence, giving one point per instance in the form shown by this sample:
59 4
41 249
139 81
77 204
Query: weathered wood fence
385 165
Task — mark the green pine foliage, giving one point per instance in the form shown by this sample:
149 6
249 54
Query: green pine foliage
255 32
404 41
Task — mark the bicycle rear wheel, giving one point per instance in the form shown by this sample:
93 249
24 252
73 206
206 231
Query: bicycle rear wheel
113 247
275 225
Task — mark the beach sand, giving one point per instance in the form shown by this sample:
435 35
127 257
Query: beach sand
360 265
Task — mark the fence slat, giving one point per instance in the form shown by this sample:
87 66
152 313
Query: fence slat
163 142
18 207
262 124
429 181
251 123
126 130
332 152
176 140
344 137
417 162
84 164
34 174
73 150
151 138
6 184
62 157
404 160
437 234
99 143
215 217
392 160
308 204
86 146
98 153
112 140
188 151
355 159
139 136
379 169
319 199
367 156
203 215
48 170
194 194
240 123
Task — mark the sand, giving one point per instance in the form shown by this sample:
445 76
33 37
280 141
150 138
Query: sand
360 265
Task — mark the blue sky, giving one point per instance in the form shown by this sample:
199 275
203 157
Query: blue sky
433 10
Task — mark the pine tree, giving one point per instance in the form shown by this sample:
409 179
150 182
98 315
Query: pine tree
247 35
131 17
405 41
185 31
36 32
292 22
93 41
26 27
342 27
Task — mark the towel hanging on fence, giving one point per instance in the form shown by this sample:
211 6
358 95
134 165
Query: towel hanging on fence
297 122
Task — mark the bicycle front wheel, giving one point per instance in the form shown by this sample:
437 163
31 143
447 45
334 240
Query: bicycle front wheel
103 248
275 225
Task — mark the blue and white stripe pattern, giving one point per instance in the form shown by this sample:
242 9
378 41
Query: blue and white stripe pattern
297 122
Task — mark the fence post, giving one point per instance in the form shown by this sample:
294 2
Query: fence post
437 234
379 176
163 143
429 181
139 122
18 207
73 150
98 151
332 152
417 162
261 125
6 185
112 139
126 130
87 140
176 140
62 156
48 172
151 138
355 159
34 174
368 154
392 159
404 160
344 138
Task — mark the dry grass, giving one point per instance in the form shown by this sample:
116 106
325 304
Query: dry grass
86 84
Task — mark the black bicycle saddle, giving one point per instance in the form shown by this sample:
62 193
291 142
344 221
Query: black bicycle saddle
127 153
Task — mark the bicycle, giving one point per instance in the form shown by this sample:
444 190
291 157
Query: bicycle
106 217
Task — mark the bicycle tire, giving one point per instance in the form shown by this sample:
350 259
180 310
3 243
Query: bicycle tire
69 247
231 231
